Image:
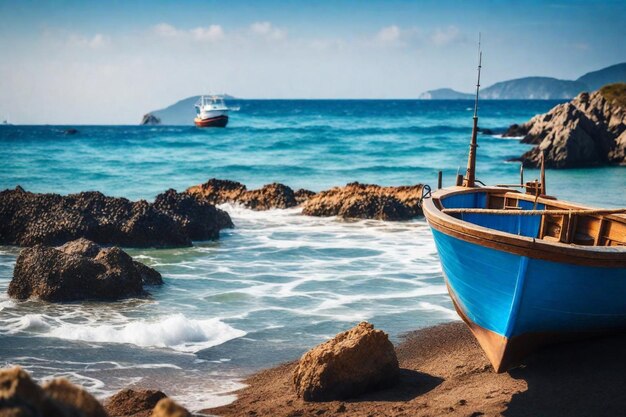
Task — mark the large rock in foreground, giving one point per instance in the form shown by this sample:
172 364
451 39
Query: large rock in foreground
275 195
78 270
366 201
353 362
588 131
21 396
174 219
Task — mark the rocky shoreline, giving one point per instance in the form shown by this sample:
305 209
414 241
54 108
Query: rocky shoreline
443 371
439 370
588 131
81 269
172 220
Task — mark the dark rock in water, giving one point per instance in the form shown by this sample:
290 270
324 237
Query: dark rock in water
486 131
198 219
174 219
150 119
149 276
516 130
21 396
70 132
588 131
366 201
217 191
270 196
78 270
135 403
81 247
353 362
273 195
303 195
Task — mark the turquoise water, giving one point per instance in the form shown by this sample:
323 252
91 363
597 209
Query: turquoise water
279 282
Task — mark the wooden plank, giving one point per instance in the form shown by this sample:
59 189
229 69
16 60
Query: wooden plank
558 212
599 238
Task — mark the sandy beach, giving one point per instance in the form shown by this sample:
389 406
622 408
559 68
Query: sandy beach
444 372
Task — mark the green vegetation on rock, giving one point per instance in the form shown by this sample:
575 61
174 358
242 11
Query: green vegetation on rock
616 93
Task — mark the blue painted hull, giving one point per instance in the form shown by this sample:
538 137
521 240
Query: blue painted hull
512 295
515 299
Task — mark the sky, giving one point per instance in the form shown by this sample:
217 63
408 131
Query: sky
109 62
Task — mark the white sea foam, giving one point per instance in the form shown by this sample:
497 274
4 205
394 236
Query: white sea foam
175 332
25 323
283 277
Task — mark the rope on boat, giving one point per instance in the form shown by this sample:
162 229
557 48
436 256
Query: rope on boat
533 212
426 193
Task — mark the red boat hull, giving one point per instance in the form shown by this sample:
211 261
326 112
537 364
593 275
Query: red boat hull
219 121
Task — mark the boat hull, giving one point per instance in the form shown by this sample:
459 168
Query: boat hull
515 304
217 121
515 280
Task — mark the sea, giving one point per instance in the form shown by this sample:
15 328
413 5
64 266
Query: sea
279 282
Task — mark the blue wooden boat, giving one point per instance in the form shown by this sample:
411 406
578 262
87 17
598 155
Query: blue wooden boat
524 269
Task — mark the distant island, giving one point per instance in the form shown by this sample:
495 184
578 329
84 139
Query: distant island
529 88
537 88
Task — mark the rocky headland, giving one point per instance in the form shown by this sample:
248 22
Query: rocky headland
270 196
172 220
366 201
590 130
150 120
79 270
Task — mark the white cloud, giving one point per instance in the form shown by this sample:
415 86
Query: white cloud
210 33
267 30
165 29
445 36
96 41
389 34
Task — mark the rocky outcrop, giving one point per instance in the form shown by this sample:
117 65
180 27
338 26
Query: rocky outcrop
516 130
588 131
150 119
168 408
20 396
174 219
302 195
78 270
275 195
366 201
352 363
133 403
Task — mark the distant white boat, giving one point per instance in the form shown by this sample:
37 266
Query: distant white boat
211 111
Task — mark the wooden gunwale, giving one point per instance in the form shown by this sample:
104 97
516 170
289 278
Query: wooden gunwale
533 212
597 256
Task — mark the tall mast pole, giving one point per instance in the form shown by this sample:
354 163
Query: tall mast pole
470 176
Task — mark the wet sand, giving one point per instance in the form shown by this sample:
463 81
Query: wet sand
444 372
